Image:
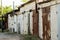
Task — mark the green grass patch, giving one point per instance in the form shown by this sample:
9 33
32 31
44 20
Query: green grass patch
30 37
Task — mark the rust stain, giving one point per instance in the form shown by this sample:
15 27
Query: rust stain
46 23
35 23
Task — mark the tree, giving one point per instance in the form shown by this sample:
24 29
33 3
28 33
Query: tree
5 10
25 0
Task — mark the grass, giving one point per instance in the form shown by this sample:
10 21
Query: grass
4 30
30 37
0 30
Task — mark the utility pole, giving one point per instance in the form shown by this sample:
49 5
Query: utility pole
13 15
1 8
13 7
36 5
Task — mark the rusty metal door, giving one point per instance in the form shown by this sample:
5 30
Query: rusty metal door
46 23
35 23
6 23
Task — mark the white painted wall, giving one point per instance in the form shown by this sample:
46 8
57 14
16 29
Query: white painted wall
39 1
27 7
25 23
40 24
30 6
18 23
47 4
9 18
21 24
53 23
53 19
31 22
12 23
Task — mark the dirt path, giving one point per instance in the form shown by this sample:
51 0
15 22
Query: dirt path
6 36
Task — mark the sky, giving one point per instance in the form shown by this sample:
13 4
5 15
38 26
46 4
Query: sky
10 3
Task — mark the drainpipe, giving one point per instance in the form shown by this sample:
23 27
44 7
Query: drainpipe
13 8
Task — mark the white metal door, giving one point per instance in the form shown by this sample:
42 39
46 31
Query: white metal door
31 22
25 23
53 16
58 19
21 24
40 24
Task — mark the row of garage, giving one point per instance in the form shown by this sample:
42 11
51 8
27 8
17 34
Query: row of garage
41 19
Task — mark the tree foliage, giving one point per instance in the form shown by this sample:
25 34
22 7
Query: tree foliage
25 0
4 10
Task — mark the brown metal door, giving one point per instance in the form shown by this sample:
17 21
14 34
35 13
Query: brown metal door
6 23
46 23
35 23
